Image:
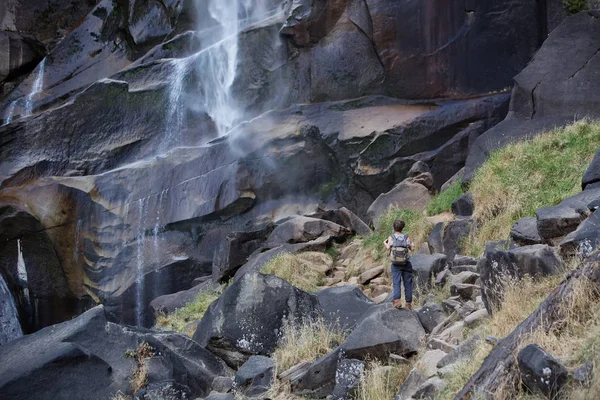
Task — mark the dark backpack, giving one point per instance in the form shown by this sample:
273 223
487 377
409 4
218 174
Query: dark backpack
399 249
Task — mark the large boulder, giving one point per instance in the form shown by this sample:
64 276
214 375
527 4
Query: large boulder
405 195
169 303
455 235
346 218
248 316
384 330
86 358
558 85
318 381
423 370
343 306
464 205
559 220
500 266
305 229
524 232
541 372
584 240
431 315
426 267
255 376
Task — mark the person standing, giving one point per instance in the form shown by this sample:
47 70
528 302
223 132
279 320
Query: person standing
398 246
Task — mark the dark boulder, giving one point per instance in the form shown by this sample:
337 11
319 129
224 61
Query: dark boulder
541 372
584 240
10 326
255 376
557 221
465 291
319 380
169 303
455 235
525 232
384 330
417 169
463 260
435 238
247 317
166 390
426 267
431 315
424 369
86 358
234 251
464 205
18 55
305 229
463 351
346 218
592 174
499 265
343 306
347 378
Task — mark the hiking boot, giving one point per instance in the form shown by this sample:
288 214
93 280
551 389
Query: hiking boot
397 304
409 306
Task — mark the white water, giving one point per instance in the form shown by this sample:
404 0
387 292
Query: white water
10 328
22 272
11 112
175 109
139 270
38 85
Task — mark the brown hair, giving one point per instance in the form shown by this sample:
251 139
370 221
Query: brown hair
398 225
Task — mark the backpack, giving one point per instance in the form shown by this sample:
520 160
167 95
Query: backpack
399 249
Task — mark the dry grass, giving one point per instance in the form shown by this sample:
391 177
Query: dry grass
139 378
525 176
309 341
381 382
304 270
193 311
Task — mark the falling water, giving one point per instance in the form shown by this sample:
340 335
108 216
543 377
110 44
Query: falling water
175 108
10 328
38 85
11 111
139 270
22 272
159 210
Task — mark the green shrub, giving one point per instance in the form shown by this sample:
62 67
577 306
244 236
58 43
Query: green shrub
193 311
417 227
575 6
305 271
524 176
443 201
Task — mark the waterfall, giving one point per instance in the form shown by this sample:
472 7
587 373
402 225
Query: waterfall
38 85
11 111
10 328
159 209
139 266
175 108
22 272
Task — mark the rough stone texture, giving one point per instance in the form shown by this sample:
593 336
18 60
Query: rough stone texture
347 378
245 319
426 267
464 290
541 372
430 388
18 55
435 238
584 240
525 232
557 221
254 376
464 277
423 370
305 229
405 195
559 84
535 260
417 169
169 303
431 315
463 206
84 358
453 179
463 260
369 275
10 326
384 330
343 306
475 318
345 218
455 233
320 378
592 174
464 350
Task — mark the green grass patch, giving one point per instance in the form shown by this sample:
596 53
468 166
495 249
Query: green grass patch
193 311
443 201
575 6
417 227
524 176
305 271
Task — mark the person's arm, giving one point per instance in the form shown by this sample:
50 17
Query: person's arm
411 245
388 242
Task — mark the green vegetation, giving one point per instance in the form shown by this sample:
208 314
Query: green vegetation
417 227
193 311
305 271
443 201
525 176
575 6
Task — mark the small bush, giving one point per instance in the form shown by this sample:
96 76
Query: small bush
525 176
575 6
304 273
306 342
417 227
379 382
443 201
193 311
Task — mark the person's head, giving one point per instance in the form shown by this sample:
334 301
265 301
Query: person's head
398 225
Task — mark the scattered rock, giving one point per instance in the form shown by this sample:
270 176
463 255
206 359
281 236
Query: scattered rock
384 330
343 305
163 391
584 374
467 308
463 260
347 378
169 303
346 218
407 195
245 320
425 179
463 206
476 317
305 229
457 269
294 371
319 379
430 316
367 276
541 372
584 240
426 267
430 388
442 278
452 304
254 376
381 298
525 232
438 344
453 334
464 277
592 174
465 291
423 370
222 384
463 351
454 235
418 168
434 240
220 396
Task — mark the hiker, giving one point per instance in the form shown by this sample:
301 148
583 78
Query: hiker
398 246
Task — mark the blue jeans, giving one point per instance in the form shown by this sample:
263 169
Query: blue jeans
404 274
